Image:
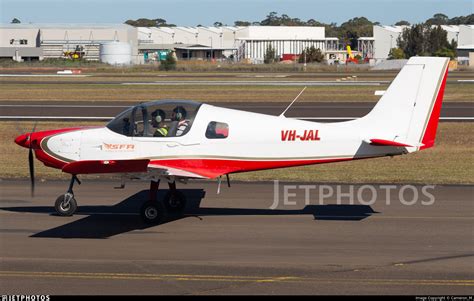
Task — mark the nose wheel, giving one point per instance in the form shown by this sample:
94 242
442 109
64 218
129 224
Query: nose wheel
66 204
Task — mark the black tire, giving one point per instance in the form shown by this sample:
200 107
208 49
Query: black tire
174 202
64 208
152 212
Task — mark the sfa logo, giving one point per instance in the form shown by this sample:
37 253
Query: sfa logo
118 147
307 135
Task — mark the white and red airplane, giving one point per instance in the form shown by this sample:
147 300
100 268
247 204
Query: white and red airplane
178 140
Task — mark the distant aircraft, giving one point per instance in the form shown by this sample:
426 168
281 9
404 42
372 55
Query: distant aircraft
351 58
180 140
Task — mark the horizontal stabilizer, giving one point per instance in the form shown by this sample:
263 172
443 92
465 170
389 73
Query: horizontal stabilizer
384 142
106 166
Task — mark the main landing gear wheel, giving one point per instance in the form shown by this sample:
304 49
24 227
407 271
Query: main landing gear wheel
65 204
175 201
152 212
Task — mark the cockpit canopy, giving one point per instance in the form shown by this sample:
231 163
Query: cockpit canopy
166 118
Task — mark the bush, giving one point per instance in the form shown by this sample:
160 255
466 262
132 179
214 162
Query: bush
310 55
270 55
169 63
396 54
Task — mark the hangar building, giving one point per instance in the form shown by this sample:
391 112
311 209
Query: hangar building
39 41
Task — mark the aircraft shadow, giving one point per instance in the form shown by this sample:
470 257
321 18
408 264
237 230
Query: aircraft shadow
107 221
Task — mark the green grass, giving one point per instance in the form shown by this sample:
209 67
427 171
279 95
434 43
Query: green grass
78 92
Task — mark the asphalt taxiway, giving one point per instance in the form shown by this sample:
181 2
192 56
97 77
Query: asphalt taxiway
317 111
232 243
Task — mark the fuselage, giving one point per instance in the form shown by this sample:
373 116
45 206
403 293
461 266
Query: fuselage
252 142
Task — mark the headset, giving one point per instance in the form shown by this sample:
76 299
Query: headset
159 115
158 118
180 113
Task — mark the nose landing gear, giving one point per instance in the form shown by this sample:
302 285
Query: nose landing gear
66 204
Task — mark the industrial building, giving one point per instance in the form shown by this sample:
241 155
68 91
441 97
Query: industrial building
237 43
385 38
125 44
40 41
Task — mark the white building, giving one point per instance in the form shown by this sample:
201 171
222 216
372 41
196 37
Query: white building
57 40
254 40
466 35
249 43
385 38
215 39
452 31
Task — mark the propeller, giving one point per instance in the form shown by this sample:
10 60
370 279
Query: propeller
31 161
26 140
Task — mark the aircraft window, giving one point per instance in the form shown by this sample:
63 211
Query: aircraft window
122 123
171 119
217 130
139 126
156 119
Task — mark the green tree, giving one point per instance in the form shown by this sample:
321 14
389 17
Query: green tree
413 40
437 39
242 23
169 63
396 54
270 55
355 28
438 19
144 22
310 55
468 20
445 52
217 24
15 21
423 39
272 19
402 23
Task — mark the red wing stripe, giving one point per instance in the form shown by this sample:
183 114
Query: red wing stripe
382 142
211 168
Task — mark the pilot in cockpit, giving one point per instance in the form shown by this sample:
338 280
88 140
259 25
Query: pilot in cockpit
179 125
159 128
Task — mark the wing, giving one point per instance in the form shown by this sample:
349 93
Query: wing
387 142
134 166
178 172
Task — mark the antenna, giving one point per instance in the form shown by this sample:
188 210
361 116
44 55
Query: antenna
283 114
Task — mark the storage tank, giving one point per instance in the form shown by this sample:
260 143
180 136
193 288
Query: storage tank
116 53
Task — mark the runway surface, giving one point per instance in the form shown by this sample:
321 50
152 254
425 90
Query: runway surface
233 243
319 111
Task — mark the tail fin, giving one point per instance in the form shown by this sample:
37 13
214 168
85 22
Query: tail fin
408 112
